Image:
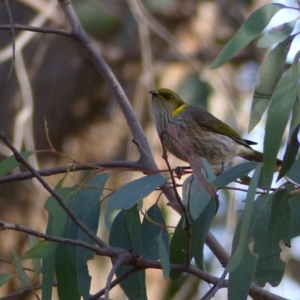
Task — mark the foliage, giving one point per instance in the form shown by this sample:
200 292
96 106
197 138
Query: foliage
142 239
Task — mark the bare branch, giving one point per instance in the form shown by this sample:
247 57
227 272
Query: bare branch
113 270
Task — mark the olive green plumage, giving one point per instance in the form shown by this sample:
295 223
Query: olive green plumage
211 138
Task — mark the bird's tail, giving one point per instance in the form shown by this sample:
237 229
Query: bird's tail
259 157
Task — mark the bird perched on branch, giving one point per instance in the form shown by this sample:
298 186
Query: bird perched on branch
209 137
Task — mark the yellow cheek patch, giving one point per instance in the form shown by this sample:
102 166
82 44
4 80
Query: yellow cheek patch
179 109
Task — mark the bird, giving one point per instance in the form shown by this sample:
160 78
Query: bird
211 138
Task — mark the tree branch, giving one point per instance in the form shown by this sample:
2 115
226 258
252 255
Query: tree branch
56 196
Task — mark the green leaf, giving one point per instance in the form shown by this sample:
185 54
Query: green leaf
86 207
120 236
178 248
295 115
8 164
276 34
41 250
294 172
4 277
246 222
199 229
240 278
294 203
233 173
151 230
57 216
195 196
290 154
25 280
131 193
33 241
278 115
270 268
252 27
163 256
47 277
270 74
66 274
90 219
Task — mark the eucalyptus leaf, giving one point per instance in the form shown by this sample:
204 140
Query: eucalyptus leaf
251 28
131 193
276 34
279 112
270 74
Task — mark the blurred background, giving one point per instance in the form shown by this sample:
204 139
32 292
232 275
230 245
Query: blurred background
148 44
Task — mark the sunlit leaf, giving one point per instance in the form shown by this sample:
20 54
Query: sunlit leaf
251 28
276 34
270 74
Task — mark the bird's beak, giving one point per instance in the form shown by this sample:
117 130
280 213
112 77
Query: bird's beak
153 93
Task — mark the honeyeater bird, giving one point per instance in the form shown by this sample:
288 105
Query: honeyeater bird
210 137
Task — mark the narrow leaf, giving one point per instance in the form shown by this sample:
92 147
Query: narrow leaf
178 248
233 173
278 115
4 277
66 274
41 250
134 286
276 34
199 229
252 27
270 74
8 164
151 230
290 154
163 256
36 262
131 193
246 222
270 268
24 278
195 196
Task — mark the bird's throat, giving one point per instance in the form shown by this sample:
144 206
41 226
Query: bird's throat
179 109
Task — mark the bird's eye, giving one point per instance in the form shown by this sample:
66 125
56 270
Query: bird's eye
169 96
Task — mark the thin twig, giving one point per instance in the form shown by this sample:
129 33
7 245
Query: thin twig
20 27
211 293
115 282
113 270
113 252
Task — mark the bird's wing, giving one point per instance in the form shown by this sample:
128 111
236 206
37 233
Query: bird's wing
209 122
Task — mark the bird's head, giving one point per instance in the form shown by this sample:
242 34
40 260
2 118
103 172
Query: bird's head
165 99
